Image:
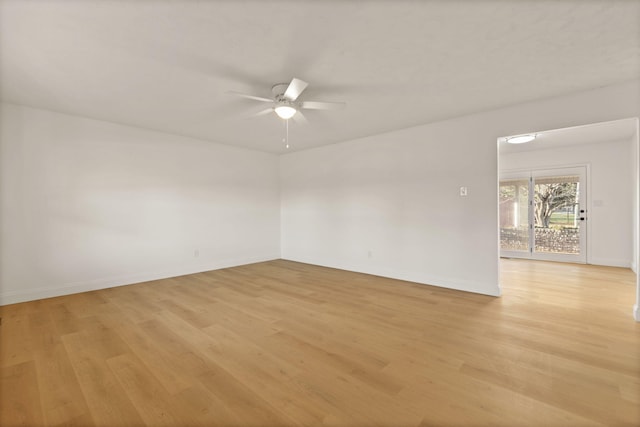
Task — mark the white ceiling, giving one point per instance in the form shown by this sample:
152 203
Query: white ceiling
167 65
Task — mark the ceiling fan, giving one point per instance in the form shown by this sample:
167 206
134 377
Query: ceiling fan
285 101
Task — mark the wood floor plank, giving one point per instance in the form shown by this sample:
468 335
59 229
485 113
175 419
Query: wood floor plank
145 392
201 408
63 401
175 347
15 342
20 396
246 405
300 352
105 397
152 352
282 343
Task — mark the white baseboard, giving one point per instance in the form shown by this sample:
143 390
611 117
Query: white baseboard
636 312
634 267
17 296
409 276
624 263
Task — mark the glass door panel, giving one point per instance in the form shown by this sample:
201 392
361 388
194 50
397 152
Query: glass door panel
514 215
559 214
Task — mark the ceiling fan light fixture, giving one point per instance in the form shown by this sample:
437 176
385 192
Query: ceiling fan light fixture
521 139
285 111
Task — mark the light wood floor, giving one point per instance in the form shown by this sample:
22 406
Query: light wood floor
282 343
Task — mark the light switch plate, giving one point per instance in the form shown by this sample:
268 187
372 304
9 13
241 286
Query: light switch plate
463 191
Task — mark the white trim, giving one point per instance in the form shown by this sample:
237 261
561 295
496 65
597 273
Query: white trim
587 204
514 173
13 297
490 289
612 262
636 312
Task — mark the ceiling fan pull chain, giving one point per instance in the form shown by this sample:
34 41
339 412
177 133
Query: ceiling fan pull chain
287 126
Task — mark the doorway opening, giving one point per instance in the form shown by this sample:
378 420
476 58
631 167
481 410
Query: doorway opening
573 195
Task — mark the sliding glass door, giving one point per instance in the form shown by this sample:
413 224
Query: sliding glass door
543 215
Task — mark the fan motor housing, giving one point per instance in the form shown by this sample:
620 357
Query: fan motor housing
279 89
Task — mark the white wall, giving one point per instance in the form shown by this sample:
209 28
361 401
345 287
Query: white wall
396 194
610 197
87 204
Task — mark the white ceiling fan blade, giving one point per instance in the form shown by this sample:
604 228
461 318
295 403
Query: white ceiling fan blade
317 105
294 89
251 115
256 98
263 112
300 118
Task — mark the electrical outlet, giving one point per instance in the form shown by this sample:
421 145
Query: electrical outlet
463 191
